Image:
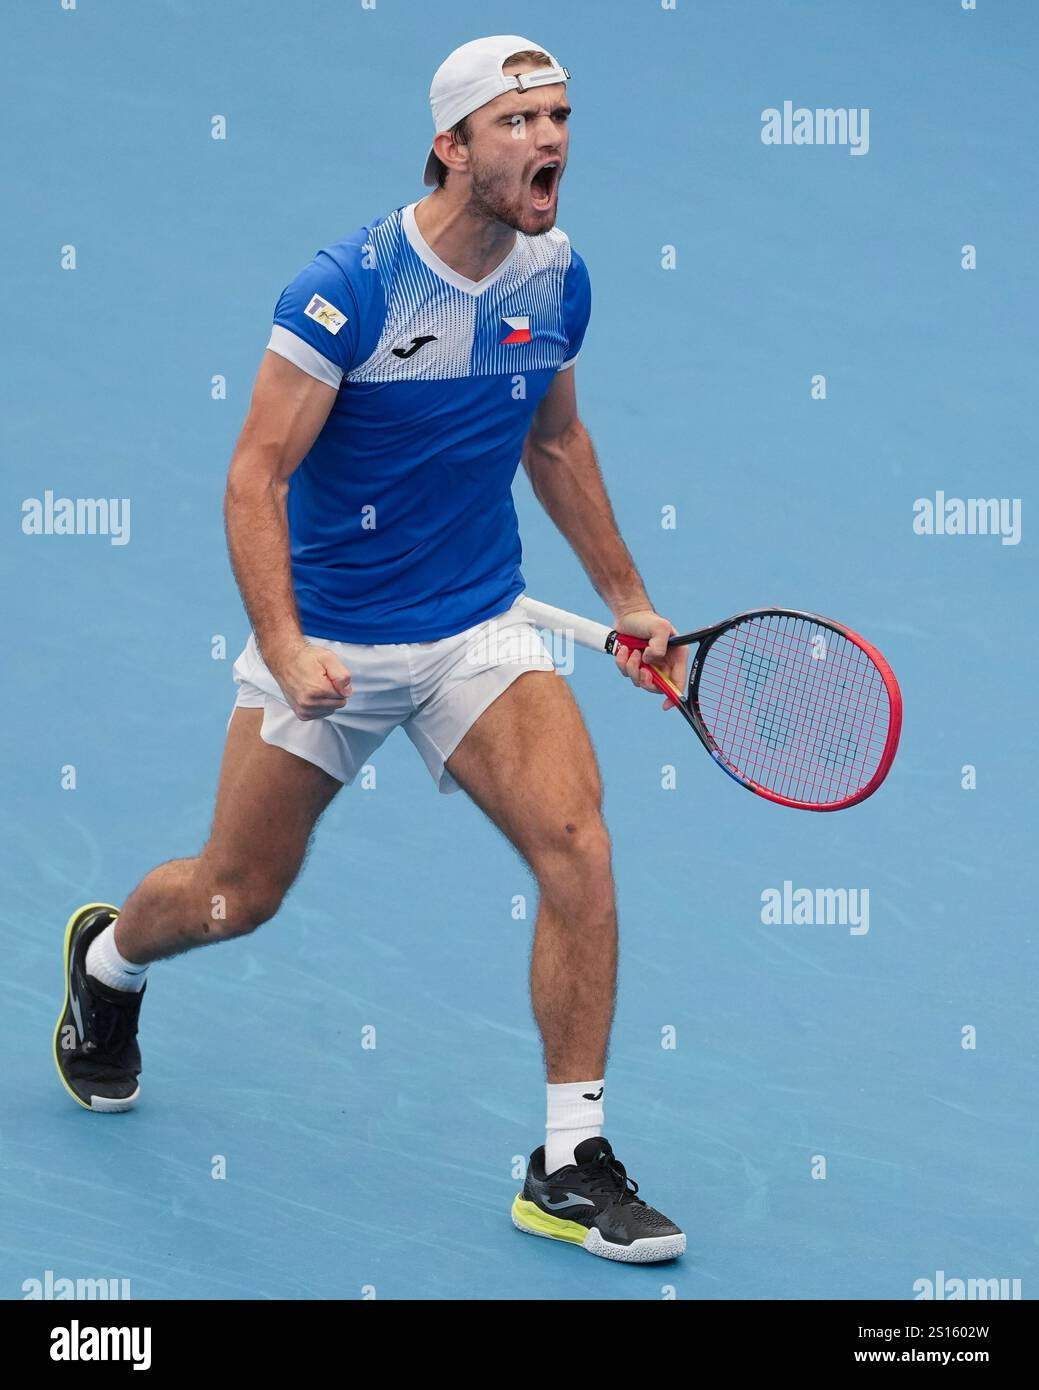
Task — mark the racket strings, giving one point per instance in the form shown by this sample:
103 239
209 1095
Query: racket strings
795 707
818 736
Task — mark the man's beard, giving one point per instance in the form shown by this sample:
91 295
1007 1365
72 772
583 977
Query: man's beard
493 193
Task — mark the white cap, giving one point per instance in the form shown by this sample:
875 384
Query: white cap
472 76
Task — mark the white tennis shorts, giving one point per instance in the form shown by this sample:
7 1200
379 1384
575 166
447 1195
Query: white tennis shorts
435 690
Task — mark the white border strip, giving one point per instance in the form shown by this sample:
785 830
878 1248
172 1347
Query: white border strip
300 353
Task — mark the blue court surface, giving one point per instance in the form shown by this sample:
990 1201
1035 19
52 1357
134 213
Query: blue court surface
905 1055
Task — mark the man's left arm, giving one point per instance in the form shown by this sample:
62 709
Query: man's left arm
560 461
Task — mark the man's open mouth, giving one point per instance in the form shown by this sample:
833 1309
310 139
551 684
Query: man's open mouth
544 183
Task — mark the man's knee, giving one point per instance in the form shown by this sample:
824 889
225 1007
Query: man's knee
573 858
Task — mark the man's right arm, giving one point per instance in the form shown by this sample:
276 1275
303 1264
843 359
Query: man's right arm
286 414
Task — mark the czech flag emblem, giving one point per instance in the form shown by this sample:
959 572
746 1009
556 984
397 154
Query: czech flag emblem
519 329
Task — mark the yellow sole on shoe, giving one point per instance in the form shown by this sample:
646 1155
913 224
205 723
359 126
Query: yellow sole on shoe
647 1250
530 1218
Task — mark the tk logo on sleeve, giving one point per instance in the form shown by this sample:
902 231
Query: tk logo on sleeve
327 315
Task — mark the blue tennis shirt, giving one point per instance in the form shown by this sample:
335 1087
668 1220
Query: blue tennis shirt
401 517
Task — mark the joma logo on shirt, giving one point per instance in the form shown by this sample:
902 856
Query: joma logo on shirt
416 343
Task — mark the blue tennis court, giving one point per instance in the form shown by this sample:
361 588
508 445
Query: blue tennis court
341 1105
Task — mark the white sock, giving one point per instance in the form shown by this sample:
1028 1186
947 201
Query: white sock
106 964
574 1113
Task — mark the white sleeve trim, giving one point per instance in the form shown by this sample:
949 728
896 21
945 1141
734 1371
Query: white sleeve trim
300 353
563 365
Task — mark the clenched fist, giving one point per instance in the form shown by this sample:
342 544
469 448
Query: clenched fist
313 680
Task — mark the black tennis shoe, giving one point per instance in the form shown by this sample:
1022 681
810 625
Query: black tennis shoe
593 1203
95 1041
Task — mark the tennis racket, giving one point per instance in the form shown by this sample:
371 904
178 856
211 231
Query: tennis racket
795 707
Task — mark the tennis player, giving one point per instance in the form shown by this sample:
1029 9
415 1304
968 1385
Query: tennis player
411 367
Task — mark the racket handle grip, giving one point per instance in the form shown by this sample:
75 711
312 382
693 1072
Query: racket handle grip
583 631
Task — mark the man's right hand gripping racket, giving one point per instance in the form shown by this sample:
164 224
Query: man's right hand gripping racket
796 708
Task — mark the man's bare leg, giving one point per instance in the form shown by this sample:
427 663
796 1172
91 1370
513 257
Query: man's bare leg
268 802
528 763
